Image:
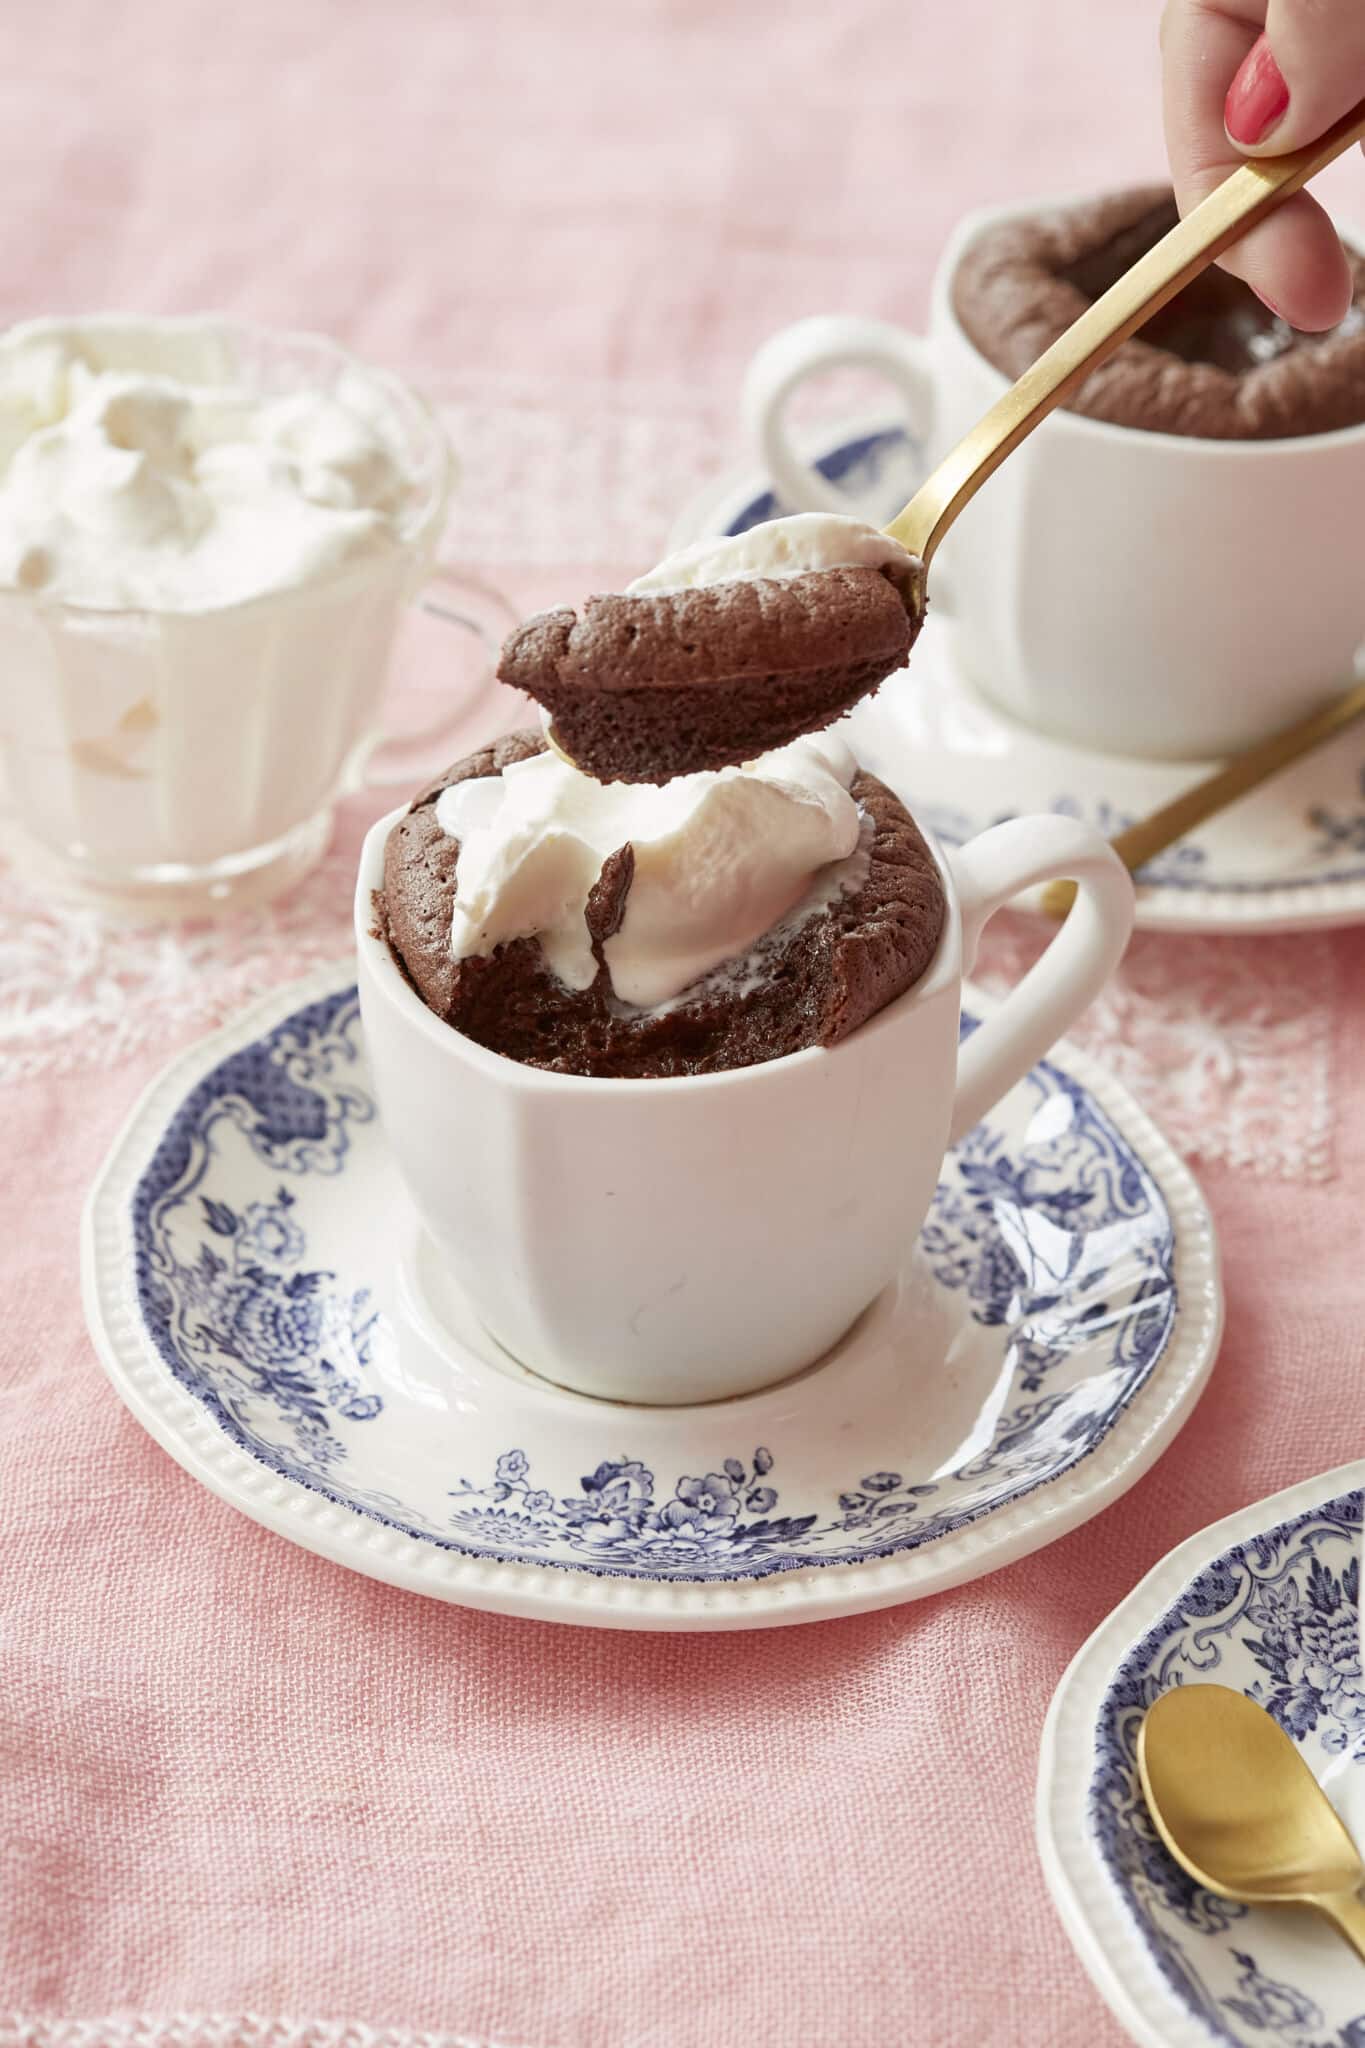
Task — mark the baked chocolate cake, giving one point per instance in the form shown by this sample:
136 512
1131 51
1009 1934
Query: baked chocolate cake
811 981
1215 362
661 683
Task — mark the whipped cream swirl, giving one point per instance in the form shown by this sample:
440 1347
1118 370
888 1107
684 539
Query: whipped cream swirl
719 860
137 468
778 549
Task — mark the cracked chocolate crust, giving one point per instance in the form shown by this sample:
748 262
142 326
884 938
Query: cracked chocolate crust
1215 363
643 688
821 982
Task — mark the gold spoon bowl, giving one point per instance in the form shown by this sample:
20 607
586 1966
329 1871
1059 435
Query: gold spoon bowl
1239 1809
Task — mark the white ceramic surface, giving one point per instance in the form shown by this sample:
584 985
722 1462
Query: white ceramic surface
257 1288
1267 1602
179 762
695 1238
1290 857
1137 593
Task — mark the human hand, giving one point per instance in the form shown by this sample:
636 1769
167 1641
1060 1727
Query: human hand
1259 78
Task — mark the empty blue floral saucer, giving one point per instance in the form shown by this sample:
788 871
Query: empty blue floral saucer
1269 1602
259 1292
1289 857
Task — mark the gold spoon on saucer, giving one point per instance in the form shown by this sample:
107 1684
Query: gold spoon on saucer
1239 1809
1253 190
1143 841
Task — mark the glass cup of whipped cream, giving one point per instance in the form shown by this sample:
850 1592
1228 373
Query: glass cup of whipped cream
209 536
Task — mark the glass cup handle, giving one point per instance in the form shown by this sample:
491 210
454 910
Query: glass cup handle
455 598
989 870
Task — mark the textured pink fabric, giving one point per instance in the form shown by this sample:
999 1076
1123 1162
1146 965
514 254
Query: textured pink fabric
235 1780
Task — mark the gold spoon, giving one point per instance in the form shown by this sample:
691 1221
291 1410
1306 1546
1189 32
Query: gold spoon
1143 841
1242 199
1252 191
1239 1809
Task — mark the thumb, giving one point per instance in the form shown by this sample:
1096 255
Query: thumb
1304 73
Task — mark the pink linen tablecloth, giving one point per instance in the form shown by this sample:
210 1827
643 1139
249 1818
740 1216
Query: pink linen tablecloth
246 1798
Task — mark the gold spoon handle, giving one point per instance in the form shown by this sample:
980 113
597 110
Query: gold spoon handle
1346 1911
1139 843
1234 206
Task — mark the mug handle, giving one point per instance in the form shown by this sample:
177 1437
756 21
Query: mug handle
828 342
990 869
392 758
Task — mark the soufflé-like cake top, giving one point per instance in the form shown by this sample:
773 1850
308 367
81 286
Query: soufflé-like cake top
728 649
717 922
704 884
1215 362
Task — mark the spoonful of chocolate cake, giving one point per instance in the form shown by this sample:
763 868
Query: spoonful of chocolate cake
734 647
727 650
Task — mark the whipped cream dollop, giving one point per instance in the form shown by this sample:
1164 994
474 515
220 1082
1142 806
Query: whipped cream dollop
720 858
779 548
138 468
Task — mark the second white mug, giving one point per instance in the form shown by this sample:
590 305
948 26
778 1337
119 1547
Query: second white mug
1141 593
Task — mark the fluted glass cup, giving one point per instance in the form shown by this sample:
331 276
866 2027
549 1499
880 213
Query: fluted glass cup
178 763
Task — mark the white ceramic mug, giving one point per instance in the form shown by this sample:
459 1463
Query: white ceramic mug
695 1238
175 763
1141 593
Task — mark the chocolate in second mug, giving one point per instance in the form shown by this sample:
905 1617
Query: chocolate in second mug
1141 593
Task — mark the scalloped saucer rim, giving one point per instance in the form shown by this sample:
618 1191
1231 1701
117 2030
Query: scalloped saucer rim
964 734
1082 1889
1132 1438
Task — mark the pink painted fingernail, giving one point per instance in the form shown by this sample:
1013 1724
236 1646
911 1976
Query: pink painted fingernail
1257 98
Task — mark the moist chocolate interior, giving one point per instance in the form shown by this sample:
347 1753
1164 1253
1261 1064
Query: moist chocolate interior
1216 319
818 982
646 686
1215 362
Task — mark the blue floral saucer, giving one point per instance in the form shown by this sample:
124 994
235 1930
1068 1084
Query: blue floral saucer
1289 857
1267 1601
259 1292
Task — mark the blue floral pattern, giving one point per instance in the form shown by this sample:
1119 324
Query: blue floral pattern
274 1347
887 466
1055 1238
1307 1639
1005 1230
618 1515
1340 831
1184 865
1280 1617
252 1310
